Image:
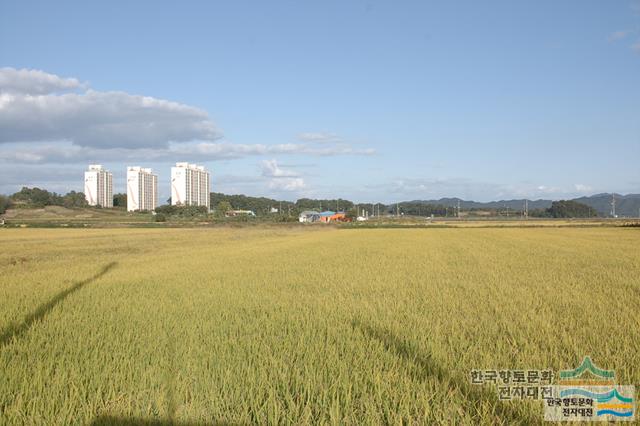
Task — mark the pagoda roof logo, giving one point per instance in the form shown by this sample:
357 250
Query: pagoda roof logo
587 373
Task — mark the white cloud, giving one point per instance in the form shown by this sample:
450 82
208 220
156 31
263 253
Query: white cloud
281 179
242 150
66 152
30 111
318 137
289 184
270 168
548 190
34 82
583 188
38 108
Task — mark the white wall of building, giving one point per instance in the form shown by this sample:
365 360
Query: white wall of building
98 186
142 189
190 185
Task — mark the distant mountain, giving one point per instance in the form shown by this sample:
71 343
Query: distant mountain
493 205
626 205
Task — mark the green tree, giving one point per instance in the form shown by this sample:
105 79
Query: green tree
74 199
120 200
36 197
223 207
565 209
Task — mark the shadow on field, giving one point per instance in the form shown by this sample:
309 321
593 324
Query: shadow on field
423 367
18 330
123 421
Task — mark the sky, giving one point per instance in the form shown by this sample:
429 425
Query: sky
364 100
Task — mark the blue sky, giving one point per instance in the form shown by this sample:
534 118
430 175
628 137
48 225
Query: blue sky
364 100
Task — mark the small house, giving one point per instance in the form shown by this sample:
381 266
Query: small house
309 216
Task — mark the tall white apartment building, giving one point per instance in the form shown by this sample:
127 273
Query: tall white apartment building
98 186
190 185
142 189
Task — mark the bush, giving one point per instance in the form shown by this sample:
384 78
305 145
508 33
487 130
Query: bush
159 217
5 203
182 211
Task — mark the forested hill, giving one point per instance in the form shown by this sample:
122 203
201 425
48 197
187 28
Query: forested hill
626 205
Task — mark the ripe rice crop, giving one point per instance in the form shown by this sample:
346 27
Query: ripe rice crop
304 326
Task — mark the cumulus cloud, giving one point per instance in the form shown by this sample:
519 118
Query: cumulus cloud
48 118
34 82
31 110
270 168
280 179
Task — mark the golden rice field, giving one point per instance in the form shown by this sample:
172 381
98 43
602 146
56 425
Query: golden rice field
304 326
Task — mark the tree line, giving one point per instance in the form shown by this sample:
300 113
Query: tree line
39 198
263 206
565 209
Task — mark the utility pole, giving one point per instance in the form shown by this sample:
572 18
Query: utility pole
397 210
613 205
458 213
